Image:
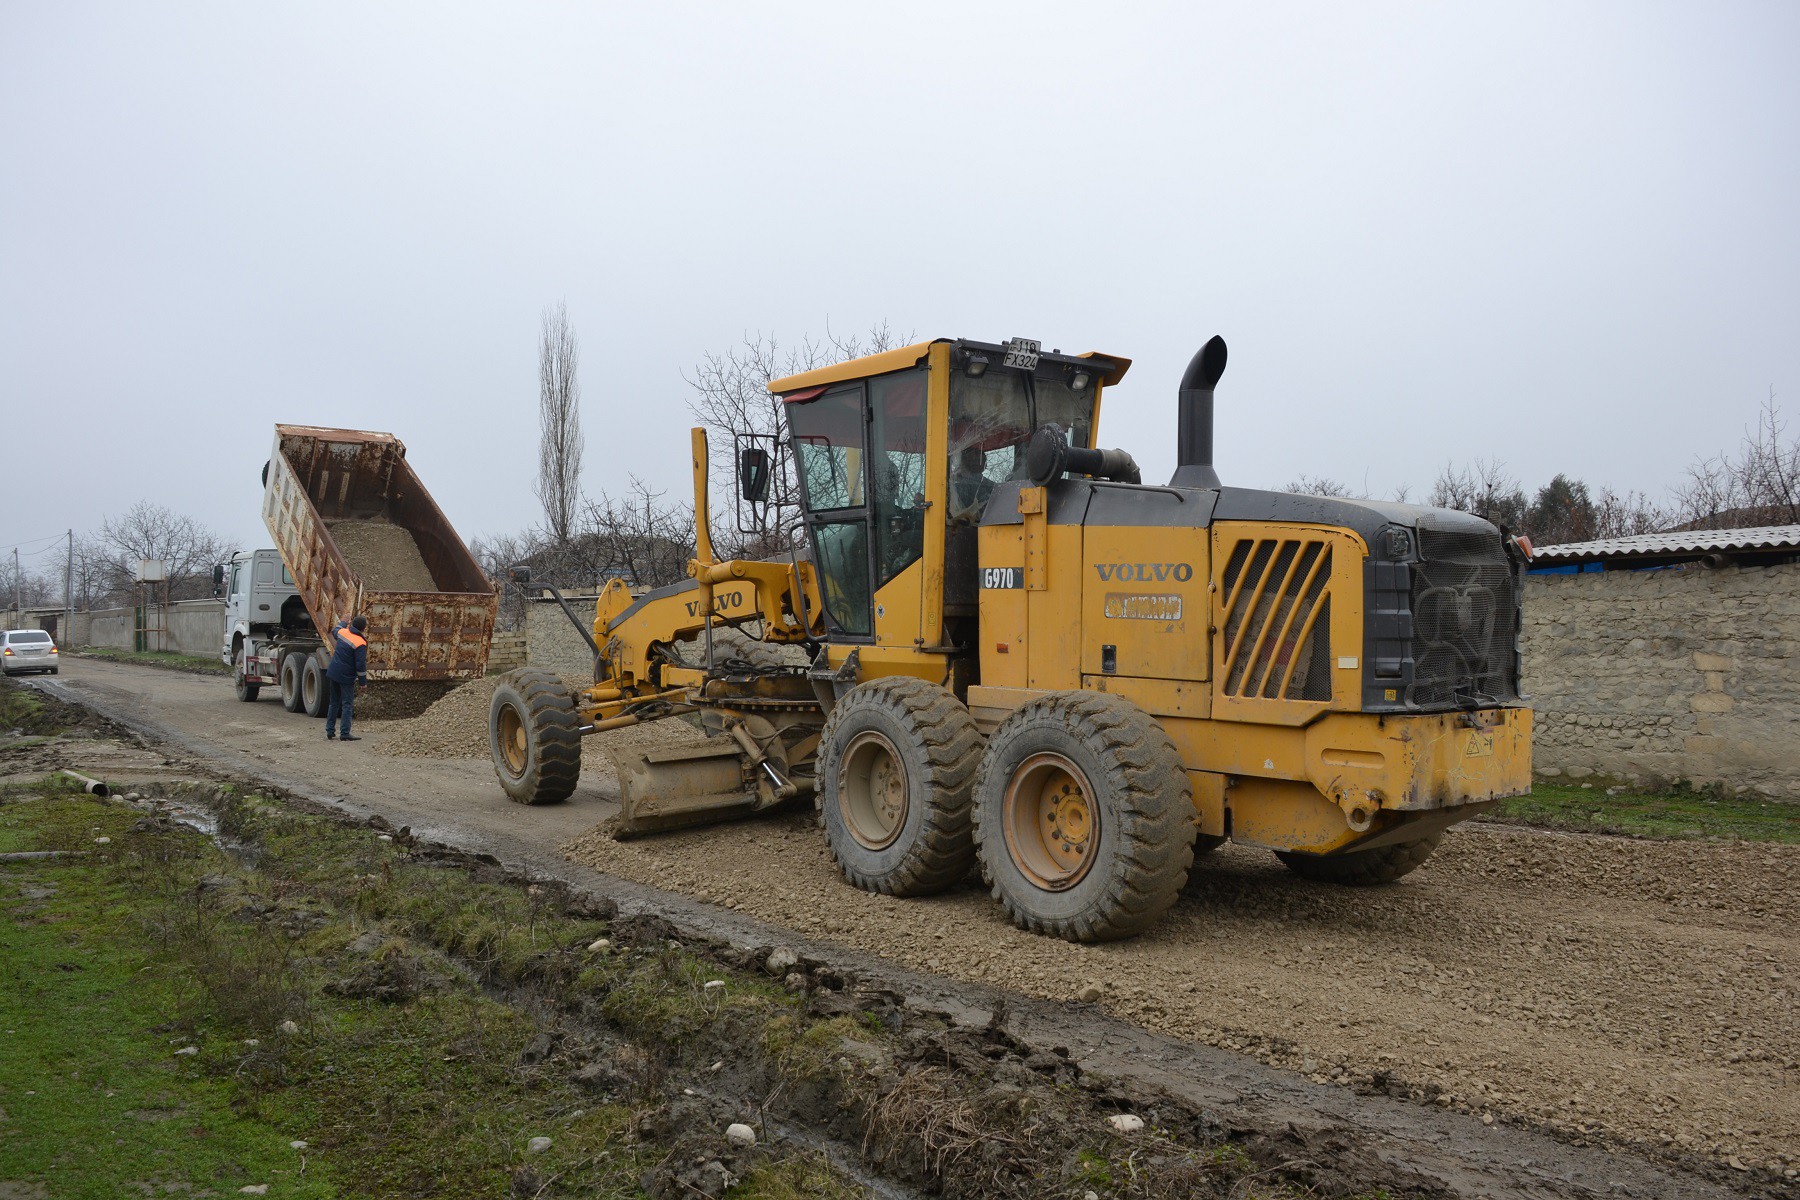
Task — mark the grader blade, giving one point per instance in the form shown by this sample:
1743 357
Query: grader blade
660 790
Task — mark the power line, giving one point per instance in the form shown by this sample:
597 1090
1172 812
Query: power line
32 541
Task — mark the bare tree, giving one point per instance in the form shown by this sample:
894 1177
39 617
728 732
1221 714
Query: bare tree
1626 515
731 398
1761 486
187 549
1320 485
640 536
560 443
1484 488
89 575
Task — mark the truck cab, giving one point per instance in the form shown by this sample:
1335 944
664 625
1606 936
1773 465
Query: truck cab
260 600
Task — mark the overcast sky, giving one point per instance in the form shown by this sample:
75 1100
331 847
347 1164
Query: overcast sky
1565 235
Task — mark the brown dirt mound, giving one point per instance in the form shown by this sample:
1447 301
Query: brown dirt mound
384 556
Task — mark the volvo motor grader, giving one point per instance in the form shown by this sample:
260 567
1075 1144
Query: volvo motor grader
997 645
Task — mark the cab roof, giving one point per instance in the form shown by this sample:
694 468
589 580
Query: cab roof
1112 367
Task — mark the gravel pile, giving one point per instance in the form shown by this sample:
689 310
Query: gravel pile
384 556
457 727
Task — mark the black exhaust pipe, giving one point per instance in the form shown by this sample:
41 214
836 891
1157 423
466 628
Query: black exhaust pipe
1194 431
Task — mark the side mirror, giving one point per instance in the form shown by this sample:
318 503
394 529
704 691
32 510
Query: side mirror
753 474
218 579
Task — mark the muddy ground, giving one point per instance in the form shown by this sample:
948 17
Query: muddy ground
1633 996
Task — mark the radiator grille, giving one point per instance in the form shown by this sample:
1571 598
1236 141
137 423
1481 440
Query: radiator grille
1464 606
1277 620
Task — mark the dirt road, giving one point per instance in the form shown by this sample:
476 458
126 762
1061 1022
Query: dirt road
1612 992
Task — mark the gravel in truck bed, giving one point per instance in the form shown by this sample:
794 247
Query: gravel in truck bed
384 556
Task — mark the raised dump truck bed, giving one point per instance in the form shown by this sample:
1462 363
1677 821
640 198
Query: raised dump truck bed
360 534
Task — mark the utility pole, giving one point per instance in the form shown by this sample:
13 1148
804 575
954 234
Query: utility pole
18 586
68 629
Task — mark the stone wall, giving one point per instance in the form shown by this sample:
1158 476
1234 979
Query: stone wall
553 643
1668 675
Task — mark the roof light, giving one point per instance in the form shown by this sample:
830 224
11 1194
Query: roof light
976 366
1079 379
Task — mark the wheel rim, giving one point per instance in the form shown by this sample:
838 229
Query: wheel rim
1051 821
514 747
871 787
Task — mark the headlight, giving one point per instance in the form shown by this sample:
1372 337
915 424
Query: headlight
1399 542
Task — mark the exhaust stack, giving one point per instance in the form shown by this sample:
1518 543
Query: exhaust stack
1194 431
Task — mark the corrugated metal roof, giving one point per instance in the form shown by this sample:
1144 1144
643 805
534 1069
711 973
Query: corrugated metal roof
1687 543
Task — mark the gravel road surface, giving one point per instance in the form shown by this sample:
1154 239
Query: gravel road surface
1628 995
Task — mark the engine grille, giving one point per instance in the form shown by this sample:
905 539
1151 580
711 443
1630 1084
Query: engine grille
1277 620
1465 621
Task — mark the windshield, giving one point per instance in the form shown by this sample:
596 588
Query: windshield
991 420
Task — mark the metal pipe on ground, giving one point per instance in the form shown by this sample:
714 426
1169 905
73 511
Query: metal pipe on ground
92 787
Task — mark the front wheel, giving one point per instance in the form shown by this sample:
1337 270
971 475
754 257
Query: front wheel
534 735
897 758
1084 817
240 678
1362 868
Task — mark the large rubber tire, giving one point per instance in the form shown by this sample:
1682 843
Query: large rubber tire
315 689
534 735
293 665
1362 868
1124 820
246 691
897 761
729 642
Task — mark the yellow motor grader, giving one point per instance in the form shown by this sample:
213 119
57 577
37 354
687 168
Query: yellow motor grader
999 646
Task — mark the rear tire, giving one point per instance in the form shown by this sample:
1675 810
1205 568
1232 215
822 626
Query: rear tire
534 735
315 689
240 683
1362 868
293 663
897 765
1084 817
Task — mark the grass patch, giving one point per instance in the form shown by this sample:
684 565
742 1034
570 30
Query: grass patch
156 658
1675 813
311 975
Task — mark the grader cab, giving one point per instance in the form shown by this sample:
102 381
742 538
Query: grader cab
1003 648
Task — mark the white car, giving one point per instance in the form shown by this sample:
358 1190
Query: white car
24 650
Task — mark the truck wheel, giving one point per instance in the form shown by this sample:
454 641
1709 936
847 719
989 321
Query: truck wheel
293 664
240 681
1362 868
896 764
315 690
534 736
1084 819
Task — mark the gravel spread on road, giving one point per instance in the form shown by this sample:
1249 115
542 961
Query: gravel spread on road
1613 991
384 556
457 727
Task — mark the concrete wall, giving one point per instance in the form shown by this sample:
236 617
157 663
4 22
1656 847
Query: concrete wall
1665 675
195 627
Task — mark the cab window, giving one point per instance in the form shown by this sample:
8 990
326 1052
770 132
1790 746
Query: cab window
897 432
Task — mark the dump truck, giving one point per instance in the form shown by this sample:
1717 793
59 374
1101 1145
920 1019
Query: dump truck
355 533
1017 655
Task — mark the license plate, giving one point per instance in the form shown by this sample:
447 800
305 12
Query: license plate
1022 353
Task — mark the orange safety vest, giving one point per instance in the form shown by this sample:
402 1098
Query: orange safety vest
351 637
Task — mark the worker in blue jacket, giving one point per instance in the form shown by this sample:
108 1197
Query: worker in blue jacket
349 670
